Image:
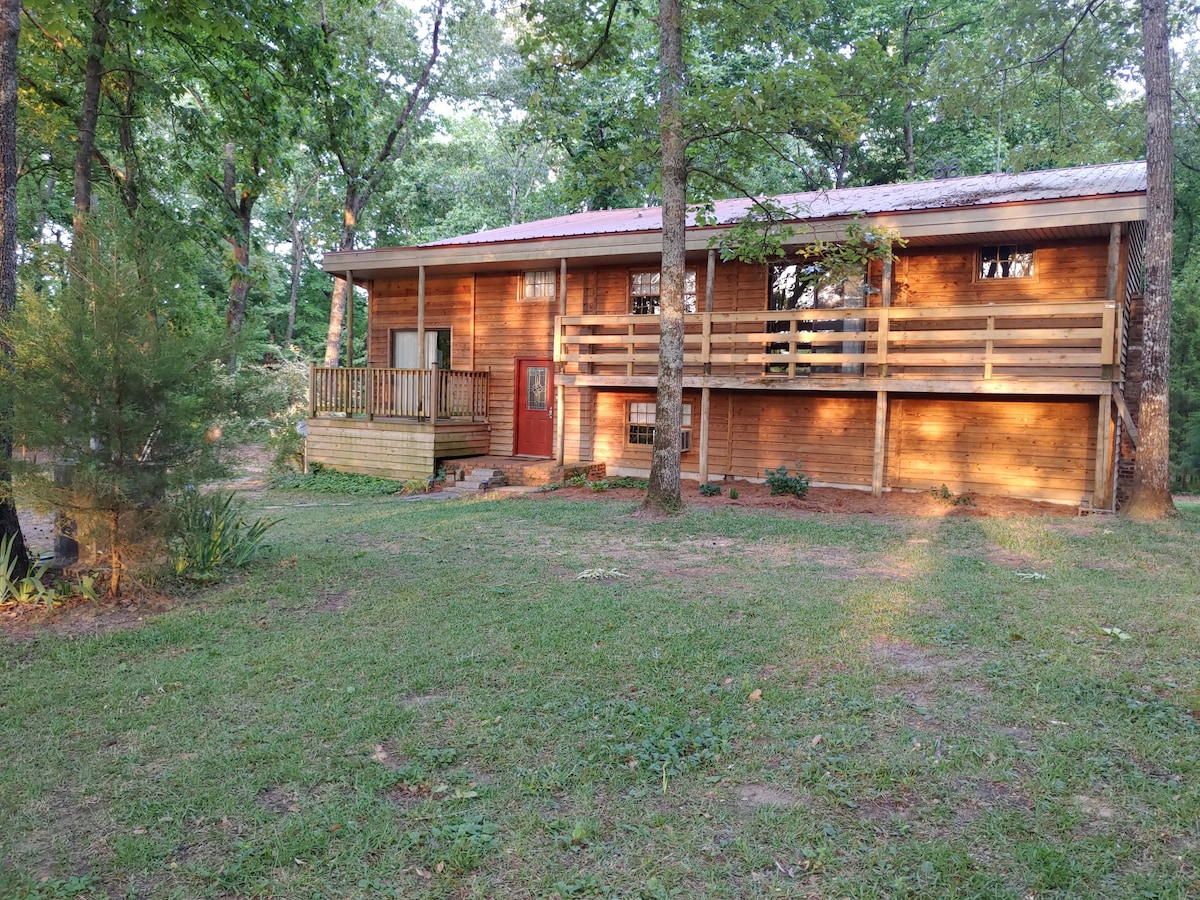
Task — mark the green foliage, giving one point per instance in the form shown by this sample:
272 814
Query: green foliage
323 480
123 355
210 533
943 494
658 747
780 482
733 493
29 588
708 489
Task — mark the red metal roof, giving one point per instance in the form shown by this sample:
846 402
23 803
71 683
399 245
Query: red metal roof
948 193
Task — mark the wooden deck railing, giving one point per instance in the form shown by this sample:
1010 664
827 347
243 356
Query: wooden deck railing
398 393
1042 341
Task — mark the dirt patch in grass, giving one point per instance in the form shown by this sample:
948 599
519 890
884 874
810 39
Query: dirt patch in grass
906 656
83 618
753 797
333 601
279 800
76 829
415 701
389 756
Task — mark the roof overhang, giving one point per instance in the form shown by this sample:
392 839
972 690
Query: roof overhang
1042 219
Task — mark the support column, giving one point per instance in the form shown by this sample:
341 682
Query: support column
560 424
349 318
705 402
562 286
885 301
881 410
422 356
1104 452
560 401
710 280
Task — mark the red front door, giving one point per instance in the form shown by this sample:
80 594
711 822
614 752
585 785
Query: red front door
535 408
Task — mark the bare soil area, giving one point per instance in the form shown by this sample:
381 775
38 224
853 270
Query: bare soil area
818 500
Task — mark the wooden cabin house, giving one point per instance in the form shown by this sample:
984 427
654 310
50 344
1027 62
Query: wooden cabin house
994 352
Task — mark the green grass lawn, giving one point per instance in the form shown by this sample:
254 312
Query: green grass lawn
425 700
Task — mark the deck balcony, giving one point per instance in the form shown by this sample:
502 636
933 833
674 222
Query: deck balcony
1066 348
395 422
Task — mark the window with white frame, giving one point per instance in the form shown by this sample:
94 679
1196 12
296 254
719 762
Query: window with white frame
639 424
538 285
1006 261
645 288
406 349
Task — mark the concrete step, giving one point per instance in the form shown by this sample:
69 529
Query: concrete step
478 481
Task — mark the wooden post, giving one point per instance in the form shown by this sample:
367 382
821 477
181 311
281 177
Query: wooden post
989 347
1114 262
560 424
435 391
1104 451
471 347
881 408
1110 342
705 401
422 356
370 392
312 390
349 318
885 301
710 280
562 286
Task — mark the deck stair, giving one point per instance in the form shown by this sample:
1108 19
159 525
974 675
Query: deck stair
477 481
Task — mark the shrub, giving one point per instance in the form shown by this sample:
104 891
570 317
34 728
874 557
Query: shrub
780 482
209 532
322 480
733 493
708 489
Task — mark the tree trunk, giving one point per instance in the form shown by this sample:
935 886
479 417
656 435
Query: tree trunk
10 28
664 495
341 290
297 268
910 159
241 205
89 114
1150 496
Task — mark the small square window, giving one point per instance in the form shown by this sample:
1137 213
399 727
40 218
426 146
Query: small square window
645 288
538 285
1006 261
639 423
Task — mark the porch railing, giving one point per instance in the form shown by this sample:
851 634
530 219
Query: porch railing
1075 340
398 393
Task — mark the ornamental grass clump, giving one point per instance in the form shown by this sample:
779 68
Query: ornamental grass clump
210 533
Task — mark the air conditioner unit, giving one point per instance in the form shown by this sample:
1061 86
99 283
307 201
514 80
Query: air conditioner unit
685 440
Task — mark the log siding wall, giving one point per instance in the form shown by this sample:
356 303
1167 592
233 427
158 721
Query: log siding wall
1029 447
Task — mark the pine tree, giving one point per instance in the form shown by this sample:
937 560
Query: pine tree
115 375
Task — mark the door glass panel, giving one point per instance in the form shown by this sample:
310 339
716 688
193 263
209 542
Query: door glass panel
536 379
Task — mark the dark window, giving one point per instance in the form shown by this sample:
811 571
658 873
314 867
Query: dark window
644 289
1006 261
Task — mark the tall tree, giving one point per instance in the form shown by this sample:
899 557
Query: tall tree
1151 495
10 29
736 81
367 120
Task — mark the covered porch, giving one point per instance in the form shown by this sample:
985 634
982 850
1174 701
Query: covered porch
395 423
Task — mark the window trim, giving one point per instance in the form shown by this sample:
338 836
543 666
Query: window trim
435 329
689 275
646 428
1029 247
522 284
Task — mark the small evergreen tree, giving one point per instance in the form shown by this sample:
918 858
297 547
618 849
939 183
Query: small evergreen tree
114 373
